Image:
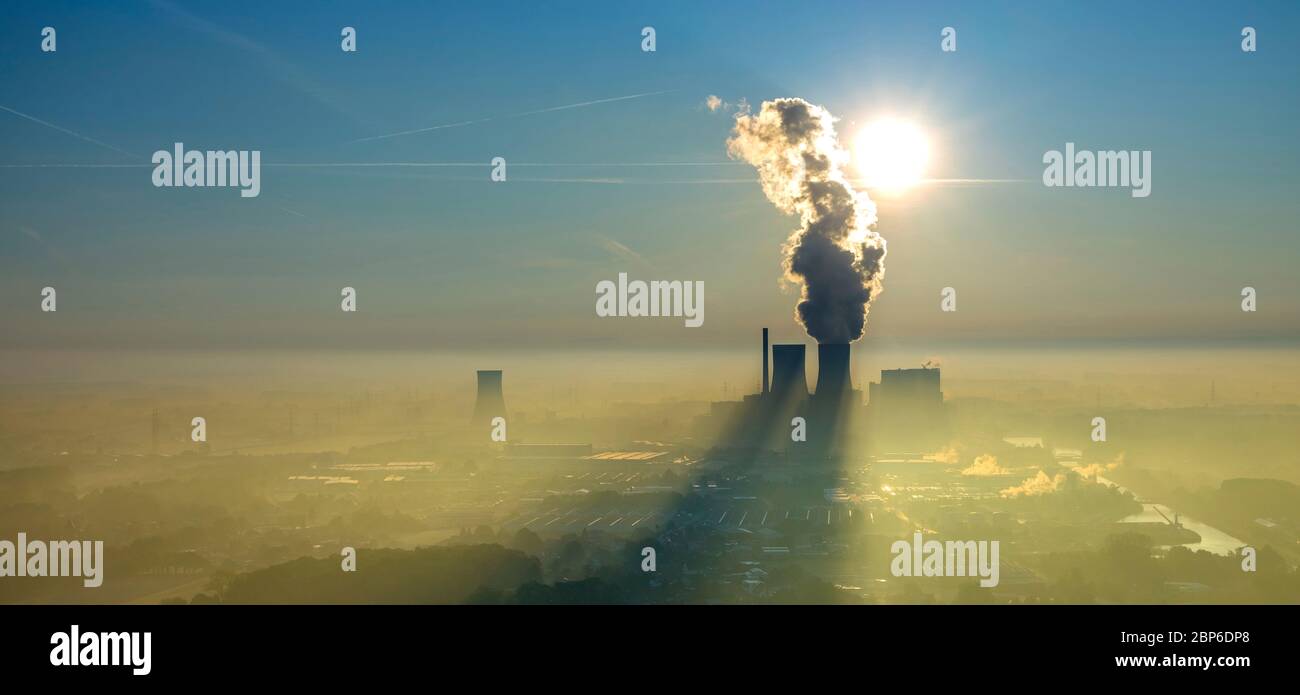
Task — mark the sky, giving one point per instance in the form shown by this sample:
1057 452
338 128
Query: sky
615 164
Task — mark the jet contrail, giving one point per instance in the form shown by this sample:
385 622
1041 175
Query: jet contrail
593 165
75 166
513 115
278 68
47 124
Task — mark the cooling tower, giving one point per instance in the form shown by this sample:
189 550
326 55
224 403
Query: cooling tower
765 372
490 403
833 371
788 380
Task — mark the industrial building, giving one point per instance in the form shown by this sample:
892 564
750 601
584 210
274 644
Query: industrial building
907 389
905 410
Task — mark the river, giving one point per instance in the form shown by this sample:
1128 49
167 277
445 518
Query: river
1212 539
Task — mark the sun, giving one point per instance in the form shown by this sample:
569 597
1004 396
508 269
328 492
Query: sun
890 155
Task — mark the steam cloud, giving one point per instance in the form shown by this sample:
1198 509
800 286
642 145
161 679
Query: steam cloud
1040 484
984 466
1043 484
835 254
948 455
1092 470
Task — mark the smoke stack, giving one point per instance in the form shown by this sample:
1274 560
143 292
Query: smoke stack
833 370
788 380
490 403
765 364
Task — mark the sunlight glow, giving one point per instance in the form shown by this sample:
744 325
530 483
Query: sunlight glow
891 155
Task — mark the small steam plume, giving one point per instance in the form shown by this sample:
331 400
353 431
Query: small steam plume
1092 470
835 254
985 466
948 455
1041 484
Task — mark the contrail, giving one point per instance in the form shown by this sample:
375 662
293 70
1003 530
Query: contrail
277 67
400 165
556 165
560 165
75 166
591 103
513 115
47 124
453 164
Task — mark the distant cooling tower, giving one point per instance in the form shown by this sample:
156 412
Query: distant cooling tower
788 379
490 403
833 370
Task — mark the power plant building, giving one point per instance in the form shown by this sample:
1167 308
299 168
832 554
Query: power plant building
905 409
909 388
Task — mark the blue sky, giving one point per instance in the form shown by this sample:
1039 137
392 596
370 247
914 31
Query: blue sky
443 257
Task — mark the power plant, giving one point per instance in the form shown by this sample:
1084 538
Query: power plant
764 422
490 402
784 419
789 375
905 412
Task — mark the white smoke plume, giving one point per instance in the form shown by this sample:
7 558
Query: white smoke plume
1040 484
1092 470
948 455
835 254
715 103
985 466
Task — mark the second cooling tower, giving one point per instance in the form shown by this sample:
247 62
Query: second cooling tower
833 370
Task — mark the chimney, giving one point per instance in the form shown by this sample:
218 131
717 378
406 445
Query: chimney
833 370
788 379
765 365
490 403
